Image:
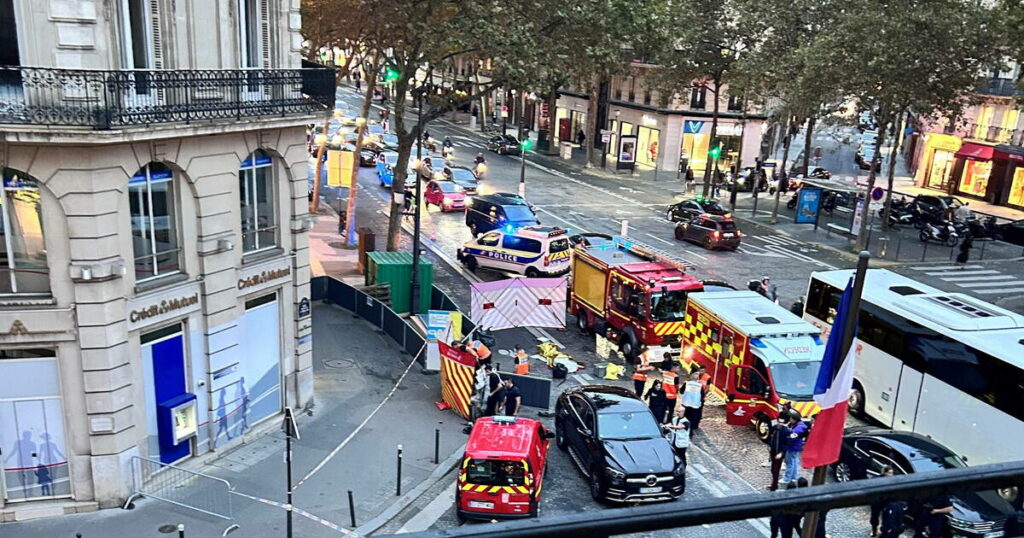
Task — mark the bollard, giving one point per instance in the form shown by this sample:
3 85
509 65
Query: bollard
398 482
899 243
624 228
351 509
437 446
181 530
983 243
924 251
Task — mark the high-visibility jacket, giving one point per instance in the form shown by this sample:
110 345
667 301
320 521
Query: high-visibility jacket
481 350
522 363
669 384
640 371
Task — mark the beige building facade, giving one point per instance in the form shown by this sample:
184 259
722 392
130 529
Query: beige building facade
154 265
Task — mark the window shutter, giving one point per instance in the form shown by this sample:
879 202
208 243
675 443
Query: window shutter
157 36
265 18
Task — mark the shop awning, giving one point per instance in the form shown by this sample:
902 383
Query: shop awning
1009 153
975 152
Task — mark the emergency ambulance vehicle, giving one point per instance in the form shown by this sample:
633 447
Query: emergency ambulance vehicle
532 251
502 470
758 354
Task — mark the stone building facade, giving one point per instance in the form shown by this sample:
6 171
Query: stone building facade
154 265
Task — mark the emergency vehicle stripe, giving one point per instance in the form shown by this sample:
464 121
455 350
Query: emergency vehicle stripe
674 327
523 490
456 386
806 409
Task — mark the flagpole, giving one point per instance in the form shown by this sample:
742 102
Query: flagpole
849 331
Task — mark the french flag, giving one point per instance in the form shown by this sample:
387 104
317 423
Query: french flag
832 393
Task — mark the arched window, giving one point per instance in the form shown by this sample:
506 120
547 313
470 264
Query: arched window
154 222
256 190
23 266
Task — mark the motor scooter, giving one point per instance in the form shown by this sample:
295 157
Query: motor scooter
943 232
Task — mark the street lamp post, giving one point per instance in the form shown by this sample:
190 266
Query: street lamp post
414 294
522 168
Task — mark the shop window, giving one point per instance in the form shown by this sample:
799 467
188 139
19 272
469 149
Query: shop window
1017 188
942 163
975 177
23 266
153 208
259 215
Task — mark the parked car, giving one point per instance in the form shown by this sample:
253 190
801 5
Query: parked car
1011 232
463 176
710 231
617 444
504 145
689 208
390 141
866 450
930 208
446 195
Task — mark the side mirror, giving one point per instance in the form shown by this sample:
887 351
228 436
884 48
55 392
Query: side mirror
467 430
548 434
585 432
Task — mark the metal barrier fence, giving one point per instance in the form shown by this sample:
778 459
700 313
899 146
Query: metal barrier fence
188 489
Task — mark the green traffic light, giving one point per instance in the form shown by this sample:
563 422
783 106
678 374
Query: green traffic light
716 152
391 74
525 144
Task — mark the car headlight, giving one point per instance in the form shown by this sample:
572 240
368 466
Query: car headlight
616 476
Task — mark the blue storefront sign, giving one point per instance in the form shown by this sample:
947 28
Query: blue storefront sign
807 205
692 127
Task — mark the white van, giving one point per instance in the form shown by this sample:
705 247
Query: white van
531 250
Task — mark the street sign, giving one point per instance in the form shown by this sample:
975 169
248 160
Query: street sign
607 131
304 308
768 165
288 426
605 138
877 193
504 111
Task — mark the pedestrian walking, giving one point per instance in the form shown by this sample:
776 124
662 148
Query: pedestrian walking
359 81
965 251
692 400
795 448
513 399
777 440
679 433
877 507
716 187
893 515
581 137
494 391
690 180
784 524
657 401
963 213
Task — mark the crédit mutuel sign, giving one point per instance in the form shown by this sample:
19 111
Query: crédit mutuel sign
163 307
263 277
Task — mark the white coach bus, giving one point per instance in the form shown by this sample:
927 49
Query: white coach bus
945 365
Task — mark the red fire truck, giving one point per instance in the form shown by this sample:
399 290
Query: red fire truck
637 291
759 355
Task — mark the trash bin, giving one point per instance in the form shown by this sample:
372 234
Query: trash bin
566 150
600 368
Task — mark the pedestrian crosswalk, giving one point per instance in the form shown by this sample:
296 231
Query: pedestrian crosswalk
780 246
975 279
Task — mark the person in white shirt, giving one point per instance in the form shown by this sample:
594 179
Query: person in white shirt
679 433
963 213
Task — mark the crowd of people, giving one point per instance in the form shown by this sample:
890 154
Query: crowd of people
499 396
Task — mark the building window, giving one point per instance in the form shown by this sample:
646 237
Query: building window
735 103
698 97
256 187
154 223
22 250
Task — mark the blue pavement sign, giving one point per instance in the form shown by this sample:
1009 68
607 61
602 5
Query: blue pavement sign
807 205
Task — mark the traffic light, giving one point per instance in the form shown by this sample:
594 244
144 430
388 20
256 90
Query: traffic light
716 150
390 74
526 144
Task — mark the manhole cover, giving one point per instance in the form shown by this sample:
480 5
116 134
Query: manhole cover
335 363
168 529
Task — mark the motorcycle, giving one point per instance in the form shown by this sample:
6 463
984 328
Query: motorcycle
944 233
982 228
791 203
448 152
480 170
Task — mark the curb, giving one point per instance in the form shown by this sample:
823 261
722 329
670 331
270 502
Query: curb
392 511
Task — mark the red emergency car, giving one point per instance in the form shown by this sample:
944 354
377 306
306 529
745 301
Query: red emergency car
502 470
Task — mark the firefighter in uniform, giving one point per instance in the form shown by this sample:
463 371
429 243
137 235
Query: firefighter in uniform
670 382
640 371
483 353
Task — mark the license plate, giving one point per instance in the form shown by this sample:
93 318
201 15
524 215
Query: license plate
728 235
656 489
484 504
996 534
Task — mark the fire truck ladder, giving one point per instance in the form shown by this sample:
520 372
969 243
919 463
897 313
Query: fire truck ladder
652 253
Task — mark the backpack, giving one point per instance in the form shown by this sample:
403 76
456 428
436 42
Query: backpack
560 371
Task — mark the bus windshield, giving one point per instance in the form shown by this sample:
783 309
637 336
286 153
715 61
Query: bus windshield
668 305
795 380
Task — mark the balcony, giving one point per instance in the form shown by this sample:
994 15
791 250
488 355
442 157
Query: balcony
105 100
1003 87
998 135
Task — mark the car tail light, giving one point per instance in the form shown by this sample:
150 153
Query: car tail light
716 234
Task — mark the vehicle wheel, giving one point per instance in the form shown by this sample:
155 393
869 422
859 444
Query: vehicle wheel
668 216
680 235
582 323
629 346
923 236
532 272
460 517
471 264
841 472
856 402
596 489
763 427
707 243
560 441
951 241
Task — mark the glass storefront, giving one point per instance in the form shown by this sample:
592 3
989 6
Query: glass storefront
648 146
938 172
1017 188
695 150
974 181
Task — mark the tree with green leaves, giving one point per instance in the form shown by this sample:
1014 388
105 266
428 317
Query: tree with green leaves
897 55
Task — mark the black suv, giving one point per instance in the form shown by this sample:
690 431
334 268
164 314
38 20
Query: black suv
687 209
616 442
504 145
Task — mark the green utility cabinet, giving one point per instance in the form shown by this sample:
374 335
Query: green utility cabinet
395 269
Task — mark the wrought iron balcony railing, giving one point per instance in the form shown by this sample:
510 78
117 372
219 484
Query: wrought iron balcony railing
1012 137
1003 87
115 99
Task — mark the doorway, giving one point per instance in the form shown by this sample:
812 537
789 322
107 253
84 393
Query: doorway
163 351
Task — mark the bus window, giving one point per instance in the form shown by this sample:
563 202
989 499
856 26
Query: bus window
822 301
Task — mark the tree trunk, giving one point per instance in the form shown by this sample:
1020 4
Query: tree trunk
591 130
717 81
785 158
314 204
553 120
875 159
891 176
811 121
370 76
481 112
405 142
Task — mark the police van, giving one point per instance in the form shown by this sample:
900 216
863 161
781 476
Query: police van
531 250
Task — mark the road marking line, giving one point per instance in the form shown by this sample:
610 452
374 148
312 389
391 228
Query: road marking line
964 273
971 278
989 284
656 238
570 224
989 292
944 267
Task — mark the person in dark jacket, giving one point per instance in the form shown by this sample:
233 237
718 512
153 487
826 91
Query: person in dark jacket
777 440
783 524
1014 525
795 447
892 517
965 251
876 508
657 401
